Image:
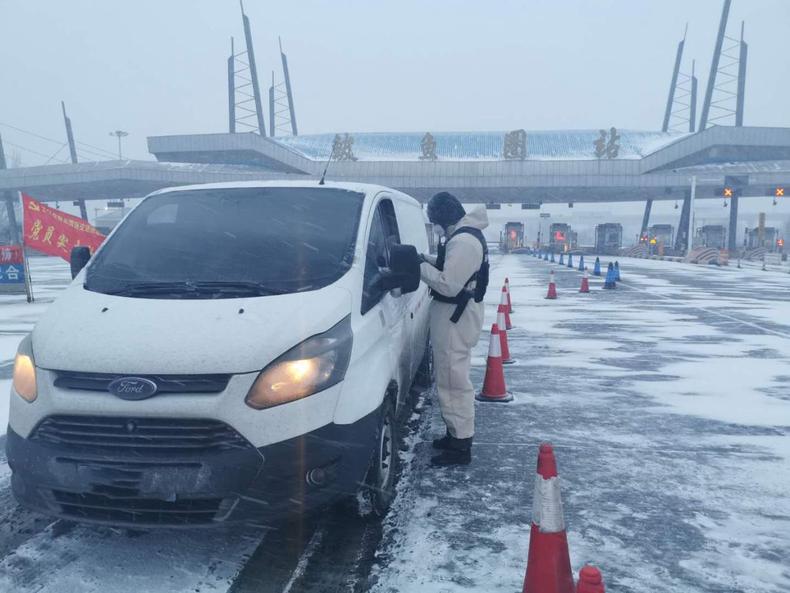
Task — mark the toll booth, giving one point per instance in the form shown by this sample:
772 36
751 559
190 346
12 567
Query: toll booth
768 239
660 238
562 238
608 238
712 235
512 236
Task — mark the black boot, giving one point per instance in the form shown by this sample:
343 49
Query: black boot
458 452
443 443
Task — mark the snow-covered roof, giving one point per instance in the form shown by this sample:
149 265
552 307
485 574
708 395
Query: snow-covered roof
731 168
363 188
460 146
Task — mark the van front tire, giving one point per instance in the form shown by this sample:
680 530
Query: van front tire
377 493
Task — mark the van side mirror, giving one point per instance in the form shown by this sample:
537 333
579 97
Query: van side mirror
405 266
80 256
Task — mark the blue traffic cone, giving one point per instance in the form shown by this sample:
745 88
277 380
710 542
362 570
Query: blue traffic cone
610 277
562 259
581 263
552 260
597 267
570 260
617 271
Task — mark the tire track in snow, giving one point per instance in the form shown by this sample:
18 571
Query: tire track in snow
66 558
16 524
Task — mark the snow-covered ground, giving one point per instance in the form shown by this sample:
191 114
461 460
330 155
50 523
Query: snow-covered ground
667 401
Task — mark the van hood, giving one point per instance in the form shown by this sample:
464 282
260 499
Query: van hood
92 332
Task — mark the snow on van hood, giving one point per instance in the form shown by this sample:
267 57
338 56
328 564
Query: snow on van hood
158 336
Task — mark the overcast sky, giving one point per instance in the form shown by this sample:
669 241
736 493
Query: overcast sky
155 67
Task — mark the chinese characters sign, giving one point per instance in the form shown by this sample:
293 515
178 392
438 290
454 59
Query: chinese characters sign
515 145
54 232
607 148
13 279
11 254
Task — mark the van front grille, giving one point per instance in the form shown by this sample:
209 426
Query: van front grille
164 383
120 507
138 437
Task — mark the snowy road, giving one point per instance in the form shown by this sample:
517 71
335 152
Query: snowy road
667 401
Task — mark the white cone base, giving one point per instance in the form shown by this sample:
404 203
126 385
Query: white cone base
508 397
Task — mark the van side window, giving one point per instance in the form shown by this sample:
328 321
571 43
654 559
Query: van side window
390 221
383 234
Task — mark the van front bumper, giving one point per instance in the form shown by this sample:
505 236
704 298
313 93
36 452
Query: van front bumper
58 471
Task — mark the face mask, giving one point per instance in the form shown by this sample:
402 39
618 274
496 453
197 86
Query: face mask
439 230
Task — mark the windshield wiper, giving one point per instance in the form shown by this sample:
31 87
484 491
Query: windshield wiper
239 286
188 288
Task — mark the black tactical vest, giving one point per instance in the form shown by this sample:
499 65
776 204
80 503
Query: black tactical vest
480 277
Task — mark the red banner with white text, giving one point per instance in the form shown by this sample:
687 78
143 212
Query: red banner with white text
54 232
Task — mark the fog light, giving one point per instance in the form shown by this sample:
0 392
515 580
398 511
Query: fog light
316 477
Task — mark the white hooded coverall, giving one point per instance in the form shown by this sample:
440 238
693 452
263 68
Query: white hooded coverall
453 342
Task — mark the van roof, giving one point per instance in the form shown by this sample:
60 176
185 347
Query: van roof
365 188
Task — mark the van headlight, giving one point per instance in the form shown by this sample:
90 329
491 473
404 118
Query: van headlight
25 371
312 366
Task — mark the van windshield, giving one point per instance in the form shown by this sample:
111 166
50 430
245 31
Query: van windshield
225 243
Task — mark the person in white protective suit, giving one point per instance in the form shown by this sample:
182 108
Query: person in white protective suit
458 277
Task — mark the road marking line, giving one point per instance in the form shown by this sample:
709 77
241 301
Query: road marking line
711 311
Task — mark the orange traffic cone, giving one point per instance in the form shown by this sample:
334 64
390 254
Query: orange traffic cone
552 287
503 306
590 580
509 302
548 564
500 321
494 389
585 282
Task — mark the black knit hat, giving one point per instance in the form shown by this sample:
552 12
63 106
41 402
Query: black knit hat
445 210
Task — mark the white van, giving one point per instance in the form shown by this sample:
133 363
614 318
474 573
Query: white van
232 352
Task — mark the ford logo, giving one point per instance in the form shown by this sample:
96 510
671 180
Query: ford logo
132 388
